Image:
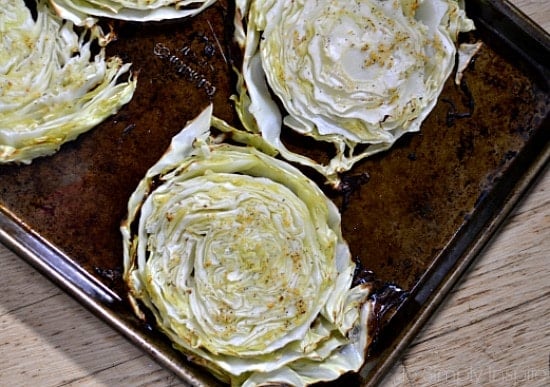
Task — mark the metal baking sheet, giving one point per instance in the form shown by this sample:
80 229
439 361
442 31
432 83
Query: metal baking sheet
429 206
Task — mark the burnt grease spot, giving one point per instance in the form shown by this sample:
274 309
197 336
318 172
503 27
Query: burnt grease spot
453 114
350 184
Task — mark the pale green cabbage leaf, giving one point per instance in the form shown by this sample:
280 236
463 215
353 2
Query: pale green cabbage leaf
82 12
51 89
241 260
358 74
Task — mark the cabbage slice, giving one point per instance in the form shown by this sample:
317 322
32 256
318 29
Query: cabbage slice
82 12
51 89
240 259
358 74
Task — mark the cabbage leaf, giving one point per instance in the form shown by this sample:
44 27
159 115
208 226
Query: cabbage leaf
241 260
83 12
51 89
357 74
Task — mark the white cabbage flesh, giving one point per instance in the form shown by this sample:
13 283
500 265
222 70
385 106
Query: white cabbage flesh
466 52
240 258
51 89
82 12
346 72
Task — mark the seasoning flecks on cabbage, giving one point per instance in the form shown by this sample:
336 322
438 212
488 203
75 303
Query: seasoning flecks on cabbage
358 74
82 12
51 89
240 259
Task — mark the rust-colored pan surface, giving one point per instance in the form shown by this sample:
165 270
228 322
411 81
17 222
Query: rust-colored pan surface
427 208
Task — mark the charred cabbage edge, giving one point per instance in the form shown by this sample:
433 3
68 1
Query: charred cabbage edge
241 260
